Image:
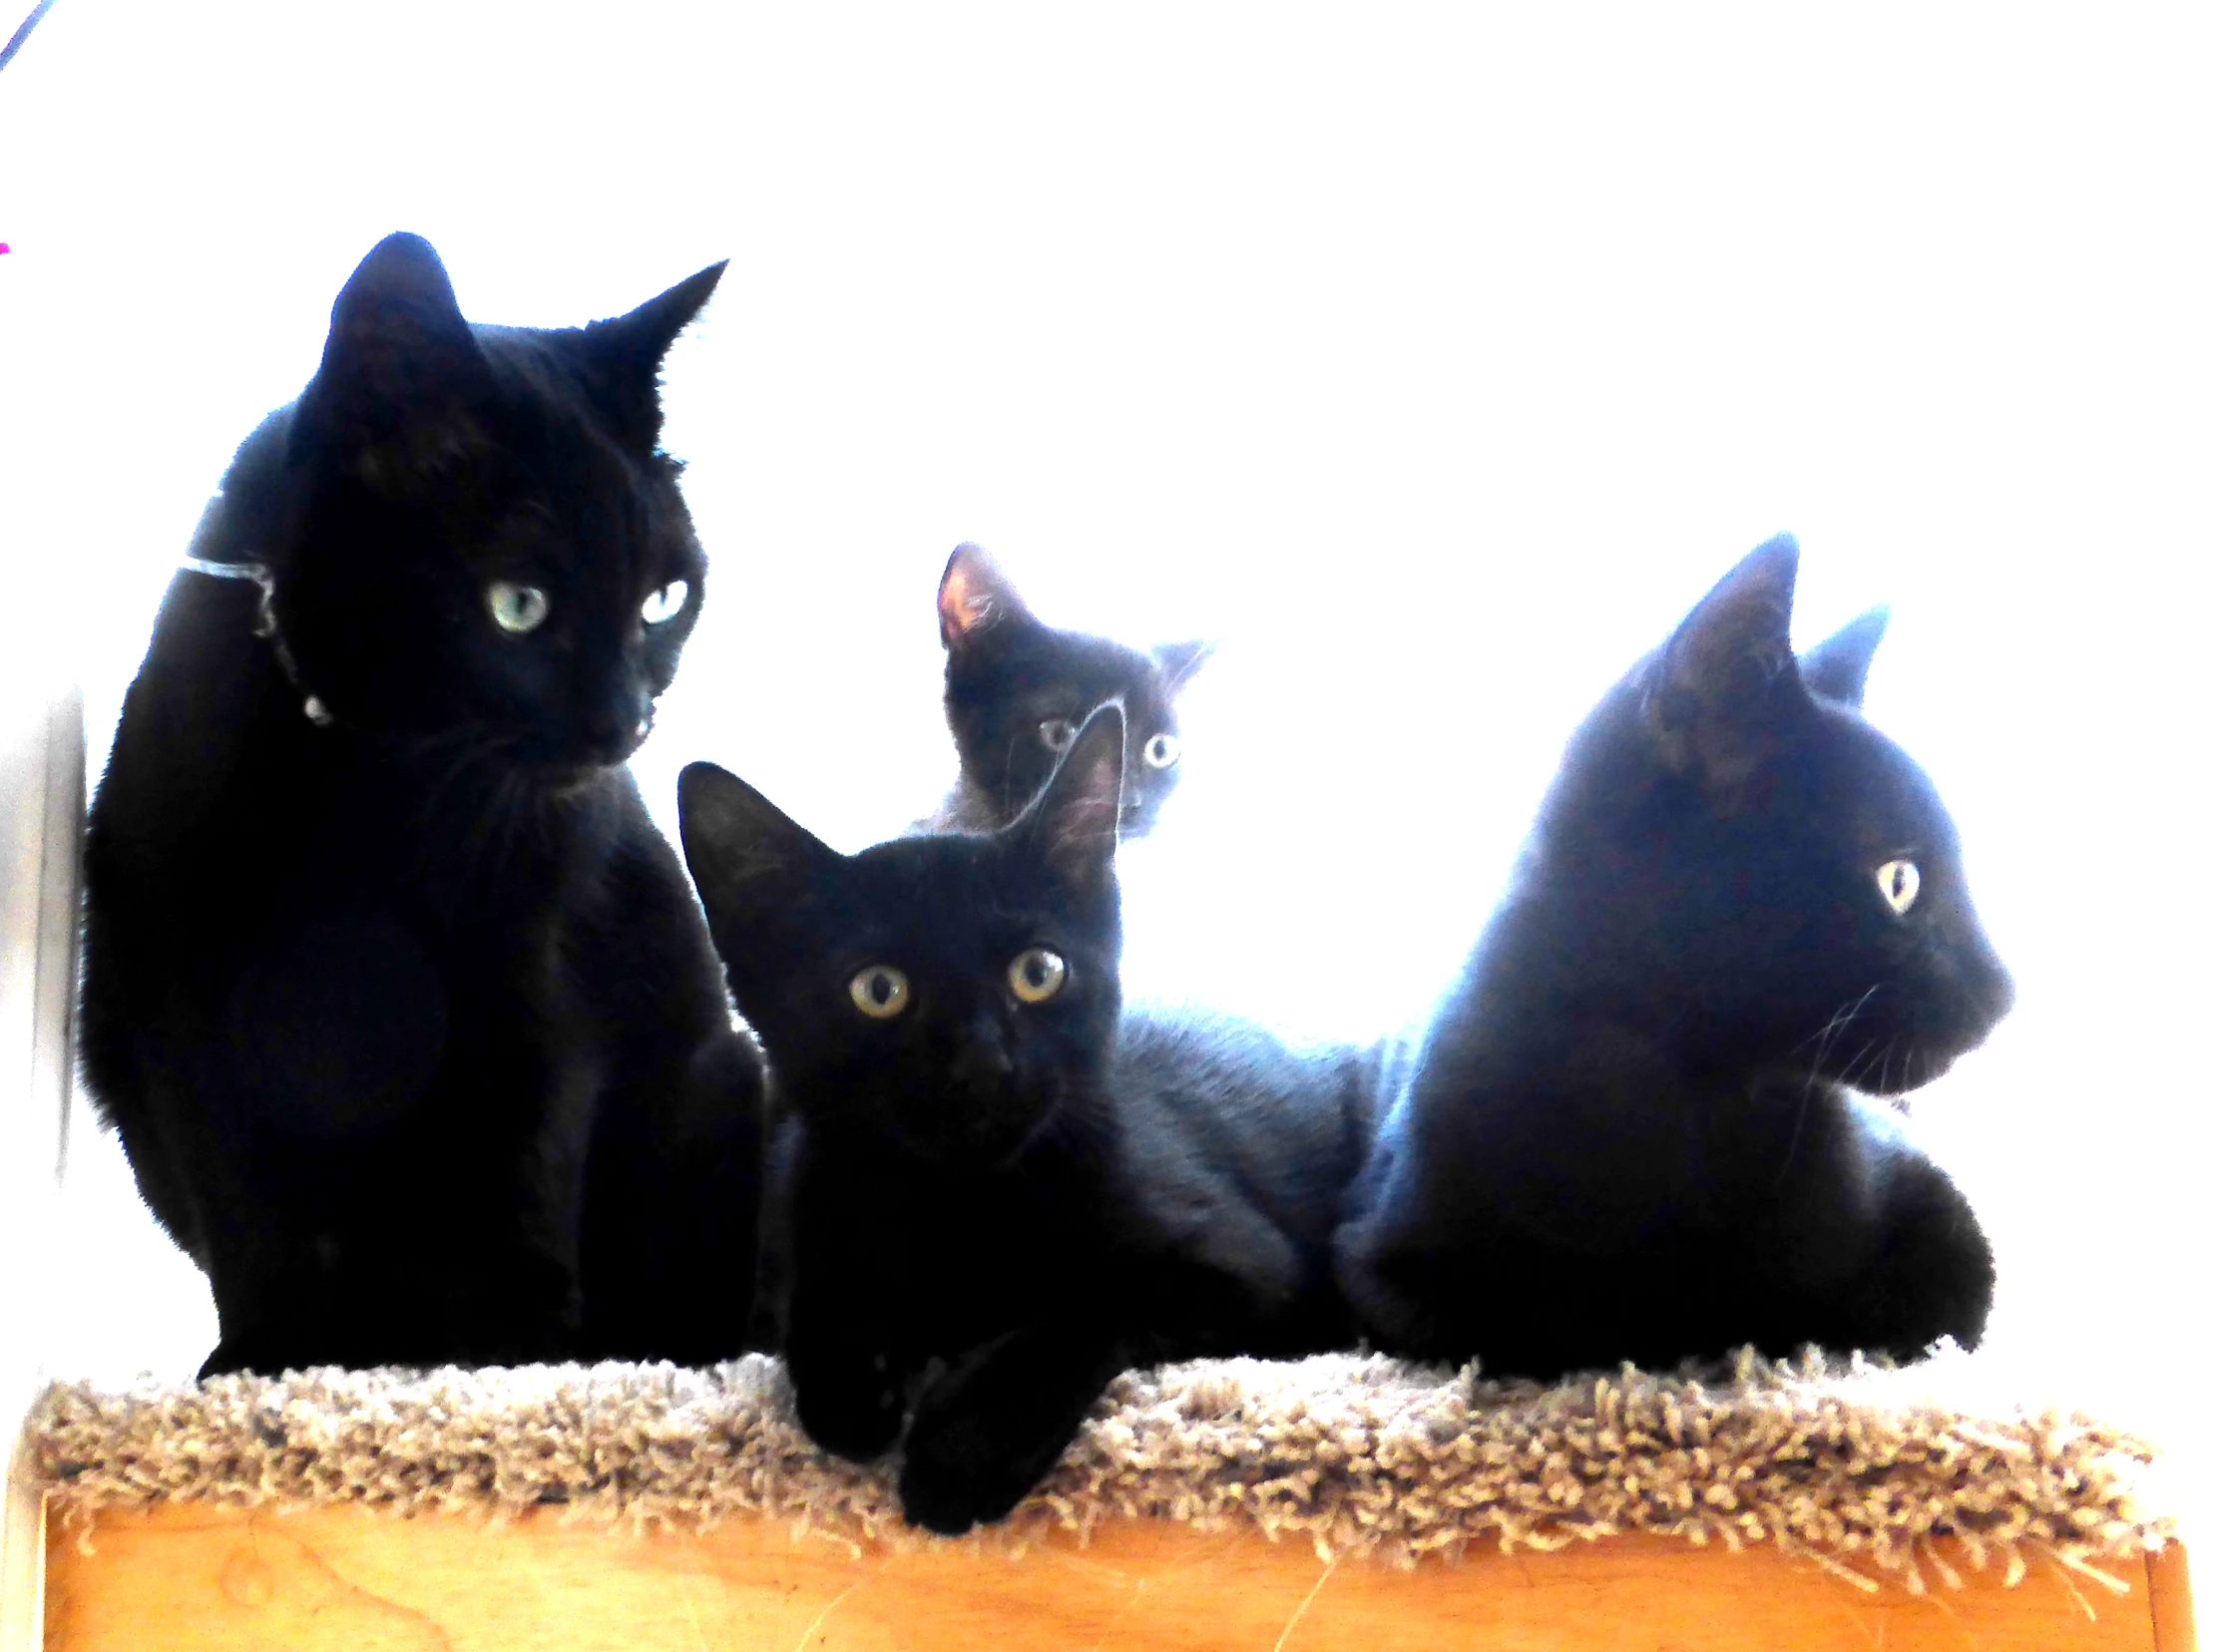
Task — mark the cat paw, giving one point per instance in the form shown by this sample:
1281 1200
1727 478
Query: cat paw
955 1477
969 1465
851 1413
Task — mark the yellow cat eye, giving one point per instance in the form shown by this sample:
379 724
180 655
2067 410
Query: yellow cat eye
1162 751
880 991
1900 885
1056 733
516 608
1036 975
665 602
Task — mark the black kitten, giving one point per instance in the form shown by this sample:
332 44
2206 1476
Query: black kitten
1017 692
1629 1133
377 926
997 1191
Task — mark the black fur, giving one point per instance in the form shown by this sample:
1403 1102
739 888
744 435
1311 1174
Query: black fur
357 988
1015 686
993 1206
1630 1133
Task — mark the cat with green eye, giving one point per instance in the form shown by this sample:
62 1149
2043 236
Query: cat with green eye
1019 690
401 1005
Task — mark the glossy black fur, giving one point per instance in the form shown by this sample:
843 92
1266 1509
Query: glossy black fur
1009 676
1629 1133
989 1207
355 993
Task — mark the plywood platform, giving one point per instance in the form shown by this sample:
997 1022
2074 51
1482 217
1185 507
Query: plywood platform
184 1579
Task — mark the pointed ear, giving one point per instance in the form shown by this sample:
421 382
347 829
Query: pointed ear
1180 661
745 856
1716 689
1836 668
401 370
623 357
1073 823
977 600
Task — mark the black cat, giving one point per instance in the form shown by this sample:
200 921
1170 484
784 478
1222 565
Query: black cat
1630 1131
376 927
1017 692
997 1191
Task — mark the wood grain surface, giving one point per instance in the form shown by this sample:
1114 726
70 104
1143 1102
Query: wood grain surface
182 1580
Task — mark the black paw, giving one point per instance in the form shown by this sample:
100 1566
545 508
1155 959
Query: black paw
951 1482
967 1464
853 1410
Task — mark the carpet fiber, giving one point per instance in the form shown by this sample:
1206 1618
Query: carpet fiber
1858 1467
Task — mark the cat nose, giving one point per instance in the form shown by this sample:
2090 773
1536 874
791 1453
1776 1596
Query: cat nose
982 1059
1994 991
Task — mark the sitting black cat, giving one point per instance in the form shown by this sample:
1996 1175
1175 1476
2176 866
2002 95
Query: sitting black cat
1629 1132
377 926
1017 692
984 1163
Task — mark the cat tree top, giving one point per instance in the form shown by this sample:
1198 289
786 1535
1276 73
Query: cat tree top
1861 1468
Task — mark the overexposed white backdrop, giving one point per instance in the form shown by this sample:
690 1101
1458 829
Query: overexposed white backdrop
1434 359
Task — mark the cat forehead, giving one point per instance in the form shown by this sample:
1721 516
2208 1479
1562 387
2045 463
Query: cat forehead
1095 667
1869 786
941 892
929 885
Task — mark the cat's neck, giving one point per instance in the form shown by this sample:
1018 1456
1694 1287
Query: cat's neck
1559 975
1079 1145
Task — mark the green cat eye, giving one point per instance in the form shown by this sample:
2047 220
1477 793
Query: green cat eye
1036 975
1162 751
515 607
1056 733
1900 885
880 991
664 601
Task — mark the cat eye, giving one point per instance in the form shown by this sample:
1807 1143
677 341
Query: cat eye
1900 885
1162 751
1056 733
880 992
664 601
515 607
1036 975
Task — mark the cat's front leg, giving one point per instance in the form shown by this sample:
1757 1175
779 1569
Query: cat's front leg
988 1431
847 1394
848 1376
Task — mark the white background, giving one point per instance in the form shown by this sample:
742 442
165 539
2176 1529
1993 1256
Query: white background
1434 360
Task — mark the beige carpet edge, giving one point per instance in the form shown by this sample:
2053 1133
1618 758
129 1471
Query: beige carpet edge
1862 1468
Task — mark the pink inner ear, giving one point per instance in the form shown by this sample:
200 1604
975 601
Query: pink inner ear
964 606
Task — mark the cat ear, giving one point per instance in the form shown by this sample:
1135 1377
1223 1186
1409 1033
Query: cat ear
1073 823
624 356
1180 661
976 599
744 854
1714 692
1836 668
401 369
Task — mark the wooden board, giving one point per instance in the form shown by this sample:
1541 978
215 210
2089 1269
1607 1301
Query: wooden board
185 1580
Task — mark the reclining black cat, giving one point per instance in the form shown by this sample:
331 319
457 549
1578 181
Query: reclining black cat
1630 1132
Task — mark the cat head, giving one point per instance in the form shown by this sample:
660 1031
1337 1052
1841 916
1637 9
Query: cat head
1774 877
483 539
945 996
1017 692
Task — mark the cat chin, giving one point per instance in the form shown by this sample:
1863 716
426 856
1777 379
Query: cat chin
1898 1075
972 1156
